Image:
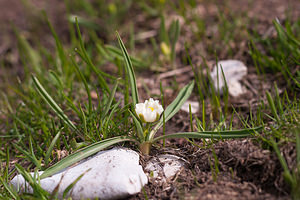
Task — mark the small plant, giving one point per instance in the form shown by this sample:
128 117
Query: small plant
146 118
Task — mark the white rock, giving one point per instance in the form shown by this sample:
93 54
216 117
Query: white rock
164 167
234 71
110 174
194 106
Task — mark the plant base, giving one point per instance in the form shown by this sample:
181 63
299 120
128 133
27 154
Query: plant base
145 148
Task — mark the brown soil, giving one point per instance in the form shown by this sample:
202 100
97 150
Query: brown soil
245 171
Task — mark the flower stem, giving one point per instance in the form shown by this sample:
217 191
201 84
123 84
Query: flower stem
147 130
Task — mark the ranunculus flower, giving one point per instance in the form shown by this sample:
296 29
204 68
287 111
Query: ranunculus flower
149 111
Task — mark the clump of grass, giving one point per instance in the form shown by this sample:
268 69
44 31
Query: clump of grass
284 132
281 55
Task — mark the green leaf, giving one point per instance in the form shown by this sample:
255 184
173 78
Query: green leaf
37 189
53 104
30 157
67 190
83 153
56 79
282 161
28 54
59 47
47 156
117 53
88 61
130 71
108 119
85 84
138 126
174 107
211 134
174 34
10 189
272 106
111 98
297 132
162 31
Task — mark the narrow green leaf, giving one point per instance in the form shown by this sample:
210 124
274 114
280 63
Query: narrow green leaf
108 119
83 153
272 106
162 31
10 189
278 100
87 59
138 126
71 104
67 190
85 84
117 53
111 98
29 156
211 134
59 47
56 79
6 172
297 132
174 34
280 30
83 118
28 54
48 153
52 103
130 71
282 161
38 190
174 107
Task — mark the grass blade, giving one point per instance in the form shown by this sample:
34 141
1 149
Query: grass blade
59 47
87 59
85 84
117 53
53 104
174 35
83 153
138 127
67 190
130 71
29 156
272 106
282 161
37 189
48 153
297 132
10 189
111 98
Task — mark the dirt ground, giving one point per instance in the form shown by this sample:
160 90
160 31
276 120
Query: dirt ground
246 171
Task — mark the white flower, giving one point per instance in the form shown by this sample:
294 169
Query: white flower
149 111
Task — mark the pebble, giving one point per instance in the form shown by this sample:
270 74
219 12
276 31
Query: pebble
194 106
234 71
111 174
164 168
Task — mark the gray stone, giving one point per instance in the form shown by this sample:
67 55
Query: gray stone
234 71
164 167
110 174
194 106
